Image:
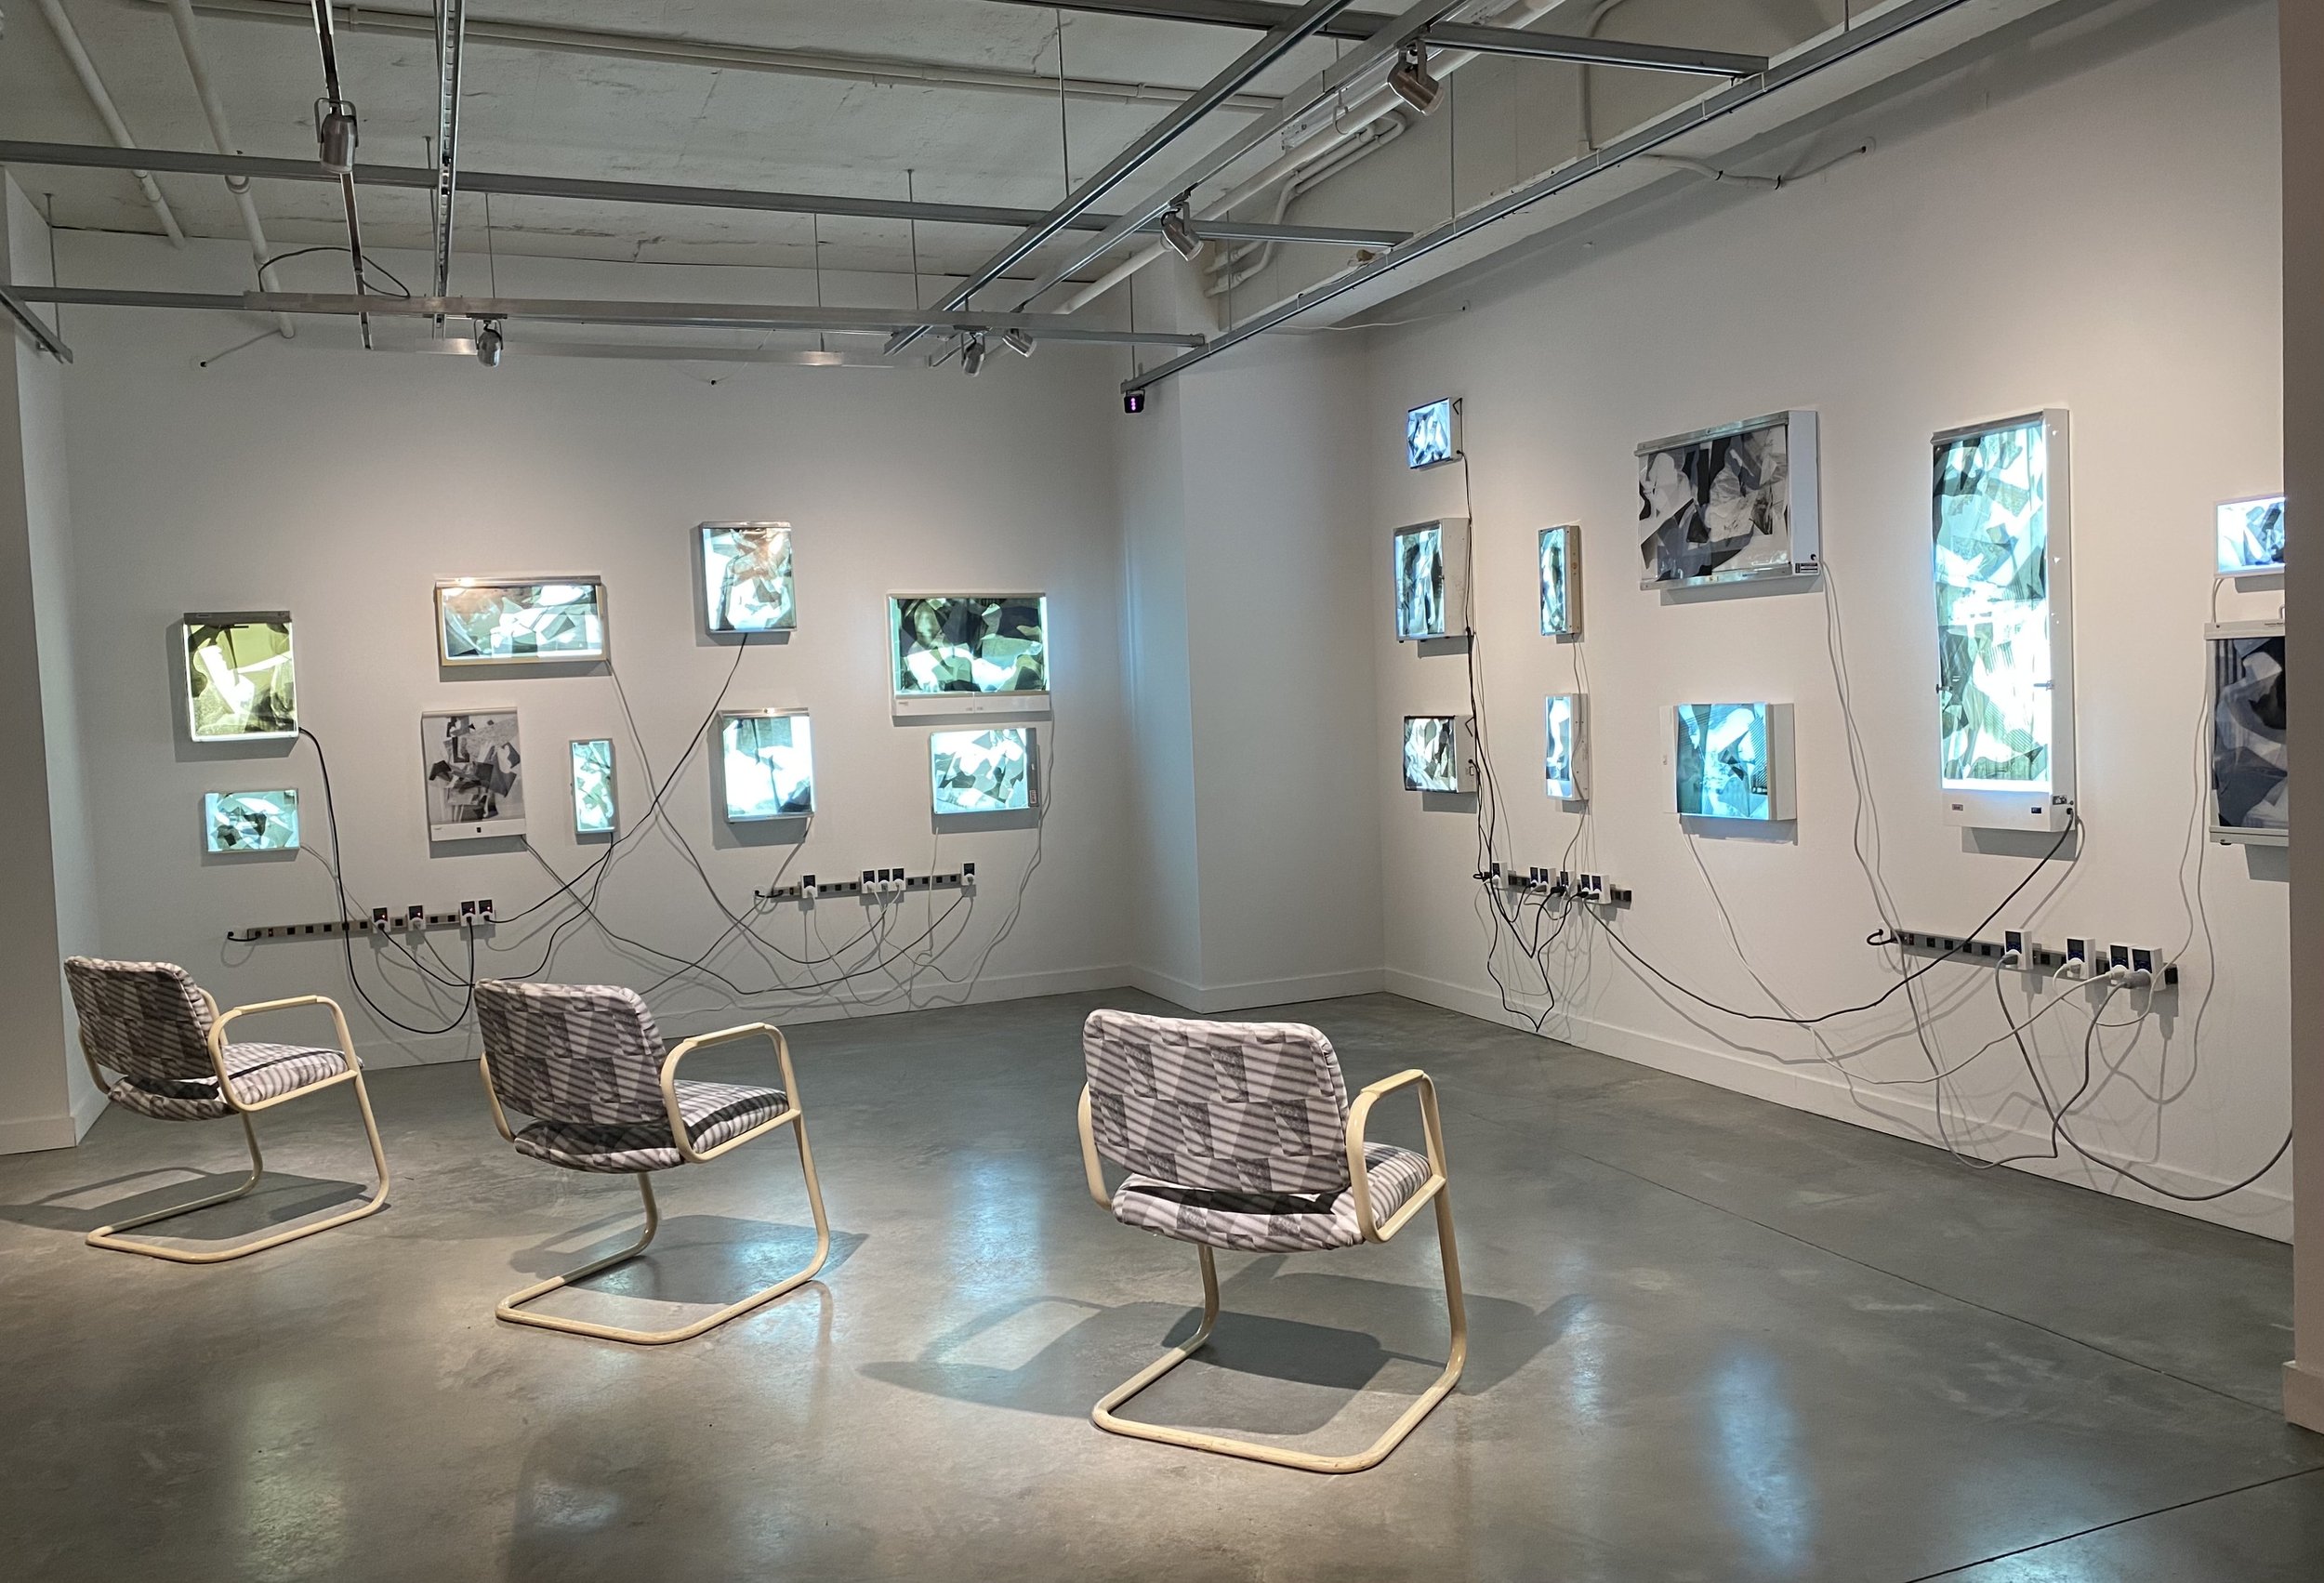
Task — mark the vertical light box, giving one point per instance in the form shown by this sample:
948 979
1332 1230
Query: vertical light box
593 808
1560 582
1431 563
2003 575
2251 761
1566 746
1734 761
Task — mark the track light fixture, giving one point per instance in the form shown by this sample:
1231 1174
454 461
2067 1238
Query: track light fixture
1411 81
1019 342
1178 228
335 135
972 354
488 343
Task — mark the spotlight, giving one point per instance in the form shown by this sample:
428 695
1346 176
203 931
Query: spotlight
1019 342
488 343
1134 402
335 135
1178 229
972 354
1411 80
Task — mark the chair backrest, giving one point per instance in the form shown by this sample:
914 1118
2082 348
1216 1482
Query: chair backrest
1259 1107
581 1053
148 1021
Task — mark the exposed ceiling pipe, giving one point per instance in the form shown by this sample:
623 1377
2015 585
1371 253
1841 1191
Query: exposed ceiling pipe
1346 124
94 85
213 110
1380 133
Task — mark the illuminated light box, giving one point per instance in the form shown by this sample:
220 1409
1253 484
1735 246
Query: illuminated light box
250 821
2251 536
747 584
1431 563
2004 577
1438 754
984 771
474 768
1733 761
1560 582
240 684
1730 505
1431 434
968 654
1566 746
520 620
2251 764
593 809
765 765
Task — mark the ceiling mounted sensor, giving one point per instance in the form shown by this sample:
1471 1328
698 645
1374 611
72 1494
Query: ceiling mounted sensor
335 135
1018 342
488 343
1411 81
1178 229
972 354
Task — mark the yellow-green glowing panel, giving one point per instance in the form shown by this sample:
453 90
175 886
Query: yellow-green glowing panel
239 681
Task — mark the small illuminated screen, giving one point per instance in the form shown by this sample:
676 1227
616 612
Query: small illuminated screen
1557 582
1421 598
768 762
975 644
593 787
747 581
487 622
1428 435
239 679
1993 691
1722 755
2251 535
250 821
1561 733
1432 758
982 771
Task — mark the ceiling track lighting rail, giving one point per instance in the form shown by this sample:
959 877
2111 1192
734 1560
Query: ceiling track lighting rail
1448 36
562 311
451 43
335 150
1866 34
43 336
259 167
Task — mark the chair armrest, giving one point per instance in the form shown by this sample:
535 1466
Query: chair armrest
766 1030
1092 1172
218 1037
1359 1114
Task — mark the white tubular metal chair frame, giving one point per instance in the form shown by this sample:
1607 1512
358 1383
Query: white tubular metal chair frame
1434 1189
110 1236
512 1308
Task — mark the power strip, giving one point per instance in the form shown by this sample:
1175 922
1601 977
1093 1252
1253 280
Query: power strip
877 884
2033 957
392 925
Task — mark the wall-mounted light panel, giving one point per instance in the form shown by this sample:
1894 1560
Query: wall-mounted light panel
1431 434
1439 754
2251 763
1733 761
996 771
250 821
747 581
1431 565
240 683
1733 503
2003 575
1566 746
594 812
2251 536
1560 582
968 654
494 621
766 762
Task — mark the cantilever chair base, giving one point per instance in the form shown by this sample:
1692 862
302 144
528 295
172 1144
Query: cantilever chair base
109 1238
512 1308
1282 1457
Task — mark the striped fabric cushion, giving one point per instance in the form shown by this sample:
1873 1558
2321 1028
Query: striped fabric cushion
258 1071
713 1112
1272 1223
147 1021
583 1055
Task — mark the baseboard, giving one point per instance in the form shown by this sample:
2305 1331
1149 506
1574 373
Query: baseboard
2265 1212
1208 1001
88 1105
462 1045
30 1134
2304 1395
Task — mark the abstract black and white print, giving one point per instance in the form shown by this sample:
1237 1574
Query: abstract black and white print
2251 535
2249 757
1420 600
250 821
982 771
1723 767
1432 758
768 764
1561 613
969 643
494 623
1717 508
746 578
474 774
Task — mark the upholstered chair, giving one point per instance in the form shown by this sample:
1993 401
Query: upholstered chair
586 1063
1239 1136
164 1036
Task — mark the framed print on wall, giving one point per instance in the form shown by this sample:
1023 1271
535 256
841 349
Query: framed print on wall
473 774
1731 503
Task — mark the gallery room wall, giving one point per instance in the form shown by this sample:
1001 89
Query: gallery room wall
2101 238
339 486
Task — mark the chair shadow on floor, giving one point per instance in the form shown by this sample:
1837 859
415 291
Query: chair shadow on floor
1058 1355
280 1198
695 1260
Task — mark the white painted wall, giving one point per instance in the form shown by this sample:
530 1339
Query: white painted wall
340 486
2104 241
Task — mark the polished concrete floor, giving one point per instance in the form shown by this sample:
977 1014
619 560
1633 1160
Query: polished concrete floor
1713 1339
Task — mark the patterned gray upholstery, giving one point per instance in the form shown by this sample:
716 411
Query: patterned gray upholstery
151 1022
1249 1107
1272 1223
585 1061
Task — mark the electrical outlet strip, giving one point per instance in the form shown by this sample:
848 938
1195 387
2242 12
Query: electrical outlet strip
879 883
396 923
2035 957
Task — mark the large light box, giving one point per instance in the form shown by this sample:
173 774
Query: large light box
2250 762
765 765
472 763
2251 535
1431 434
746 582
1566 746
594 810
250 821
968 654
520 620
1733 761
1560 582
1438 754
1430 565
984 771
1731 503
240 683
2003 575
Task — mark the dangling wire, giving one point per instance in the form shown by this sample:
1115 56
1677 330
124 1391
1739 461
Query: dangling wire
814 231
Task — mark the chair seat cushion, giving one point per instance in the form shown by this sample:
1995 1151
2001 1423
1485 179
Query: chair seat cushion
259 1072
714 1112
1271 1223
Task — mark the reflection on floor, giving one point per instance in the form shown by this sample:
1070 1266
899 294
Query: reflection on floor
1712 1339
